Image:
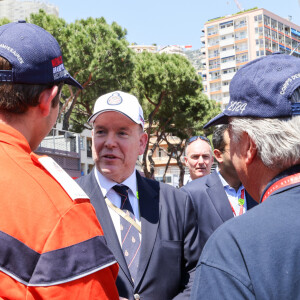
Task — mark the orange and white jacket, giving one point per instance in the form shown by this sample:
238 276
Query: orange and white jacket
51 243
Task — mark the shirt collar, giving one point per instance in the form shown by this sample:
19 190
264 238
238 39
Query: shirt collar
106 184
12 136
224 182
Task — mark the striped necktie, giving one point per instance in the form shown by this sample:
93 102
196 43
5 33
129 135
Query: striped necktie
130 239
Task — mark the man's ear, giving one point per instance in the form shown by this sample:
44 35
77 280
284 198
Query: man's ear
218 155
251 150
186 161
143 142
45 100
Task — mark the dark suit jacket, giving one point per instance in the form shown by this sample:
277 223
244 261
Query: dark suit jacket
211 204
169 248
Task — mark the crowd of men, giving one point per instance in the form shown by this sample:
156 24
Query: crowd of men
117 235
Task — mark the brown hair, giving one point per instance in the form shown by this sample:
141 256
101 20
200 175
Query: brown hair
16 98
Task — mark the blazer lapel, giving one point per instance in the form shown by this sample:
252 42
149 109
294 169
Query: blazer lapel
218 197
150 213
107 225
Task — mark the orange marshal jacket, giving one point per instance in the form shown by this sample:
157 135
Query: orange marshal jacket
51 246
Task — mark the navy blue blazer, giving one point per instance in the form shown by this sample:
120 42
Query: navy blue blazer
169 248
211 204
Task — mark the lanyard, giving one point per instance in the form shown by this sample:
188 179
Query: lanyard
284 182
241 203
122 214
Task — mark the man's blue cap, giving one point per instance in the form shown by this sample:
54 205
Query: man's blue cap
34 54
263 89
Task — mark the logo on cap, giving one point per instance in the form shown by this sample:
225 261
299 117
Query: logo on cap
58 68
114 99
287 83
14 52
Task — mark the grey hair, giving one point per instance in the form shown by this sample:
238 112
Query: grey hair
277 140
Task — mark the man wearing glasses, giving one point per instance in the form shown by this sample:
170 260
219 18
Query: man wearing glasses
219 196
199 157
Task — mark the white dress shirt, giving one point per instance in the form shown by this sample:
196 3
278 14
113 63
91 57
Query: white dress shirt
106 185
233 195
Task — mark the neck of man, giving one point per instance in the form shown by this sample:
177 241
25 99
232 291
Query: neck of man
258 177
231 179
25 124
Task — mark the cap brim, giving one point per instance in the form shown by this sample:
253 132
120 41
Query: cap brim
71 81
92 118
219 119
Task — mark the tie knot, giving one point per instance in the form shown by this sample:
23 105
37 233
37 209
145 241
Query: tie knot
122 190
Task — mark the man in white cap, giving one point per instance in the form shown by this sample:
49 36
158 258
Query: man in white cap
150 227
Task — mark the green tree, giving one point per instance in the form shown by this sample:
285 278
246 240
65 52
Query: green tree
172 99
97 55
4 21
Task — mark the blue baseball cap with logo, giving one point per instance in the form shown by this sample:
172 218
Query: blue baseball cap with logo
34 54
263 89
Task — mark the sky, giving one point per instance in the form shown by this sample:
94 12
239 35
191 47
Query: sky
167 22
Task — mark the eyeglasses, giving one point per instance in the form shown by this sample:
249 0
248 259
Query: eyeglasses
196 137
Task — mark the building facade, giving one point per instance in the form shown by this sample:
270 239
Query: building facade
161 160
15 10
232 41
143 48
64 147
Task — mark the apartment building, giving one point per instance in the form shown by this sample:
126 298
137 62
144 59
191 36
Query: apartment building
143 48
15 10
170 49
161 159
232 41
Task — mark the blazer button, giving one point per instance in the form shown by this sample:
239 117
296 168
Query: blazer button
137 296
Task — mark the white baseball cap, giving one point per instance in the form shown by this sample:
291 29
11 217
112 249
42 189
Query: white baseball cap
121 102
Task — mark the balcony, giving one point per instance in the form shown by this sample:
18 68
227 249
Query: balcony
203 51
203 60
225 101
202 39
226 30
241 25
227 53
63 147
227 76
228 64
214 66
225 88
226 42
215 89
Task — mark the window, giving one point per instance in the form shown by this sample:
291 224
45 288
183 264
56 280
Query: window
168 179
160 152
267 20
258 18
273 23
82 143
